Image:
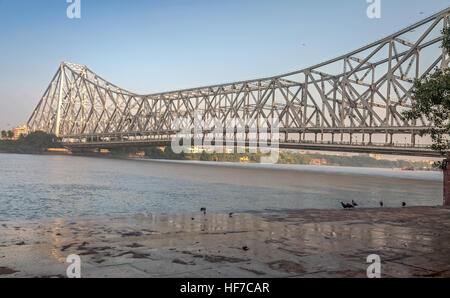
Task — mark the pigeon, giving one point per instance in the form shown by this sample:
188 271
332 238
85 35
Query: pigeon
354 203
203 209
403 204
347 206
381 204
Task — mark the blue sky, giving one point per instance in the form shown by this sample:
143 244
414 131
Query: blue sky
149 46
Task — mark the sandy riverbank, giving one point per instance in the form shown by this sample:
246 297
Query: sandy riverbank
412 242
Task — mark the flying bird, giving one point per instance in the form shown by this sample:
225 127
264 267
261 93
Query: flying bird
354 203
403 204
381 204
203 209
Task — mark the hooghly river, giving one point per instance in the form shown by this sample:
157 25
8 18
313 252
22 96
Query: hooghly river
44 186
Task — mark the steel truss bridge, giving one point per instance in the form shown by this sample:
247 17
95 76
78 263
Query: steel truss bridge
352 103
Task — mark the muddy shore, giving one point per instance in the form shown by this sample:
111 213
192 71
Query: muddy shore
411 242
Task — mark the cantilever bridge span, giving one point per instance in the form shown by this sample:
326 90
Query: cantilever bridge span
351 103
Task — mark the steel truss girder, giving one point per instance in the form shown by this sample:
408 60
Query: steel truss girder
365 90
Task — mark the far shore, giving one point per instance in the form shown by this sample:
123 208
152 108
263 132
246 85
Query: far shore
134 157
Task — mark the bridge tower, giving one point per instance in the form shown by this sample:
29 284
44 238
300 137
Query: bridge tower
59 104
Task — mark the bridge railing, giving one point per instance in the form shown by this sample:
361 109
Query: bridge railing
142 139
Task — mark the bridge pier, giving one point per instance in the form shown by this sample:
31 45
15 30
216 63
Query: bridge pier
446 169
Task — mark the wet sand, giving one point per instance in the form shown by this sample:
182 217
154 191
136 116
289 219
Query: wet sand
412 242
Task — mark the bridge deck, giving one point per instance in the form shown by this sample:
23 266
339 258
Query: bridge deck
353 148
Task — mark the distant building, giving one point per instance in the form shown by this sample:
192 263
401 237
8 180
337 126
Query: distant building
58 150
18 131
244 159
376 156
318 162
207 149
197 149
140 154
228 150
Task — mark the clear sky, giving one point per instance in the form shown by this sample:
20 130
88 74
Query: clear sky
148 46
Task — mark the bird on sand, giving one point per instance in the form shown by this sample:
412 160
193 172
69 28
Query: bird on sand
346 205
203 209
381 204
230 214
354 203
403 204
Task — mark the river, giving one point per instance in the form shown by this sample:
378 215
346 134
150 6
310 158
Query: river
49 186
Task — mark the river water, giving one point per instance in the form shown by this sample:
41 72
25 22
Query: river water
48 186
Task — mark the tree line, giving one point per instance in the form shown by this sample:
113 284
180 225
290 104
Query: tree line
35 142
